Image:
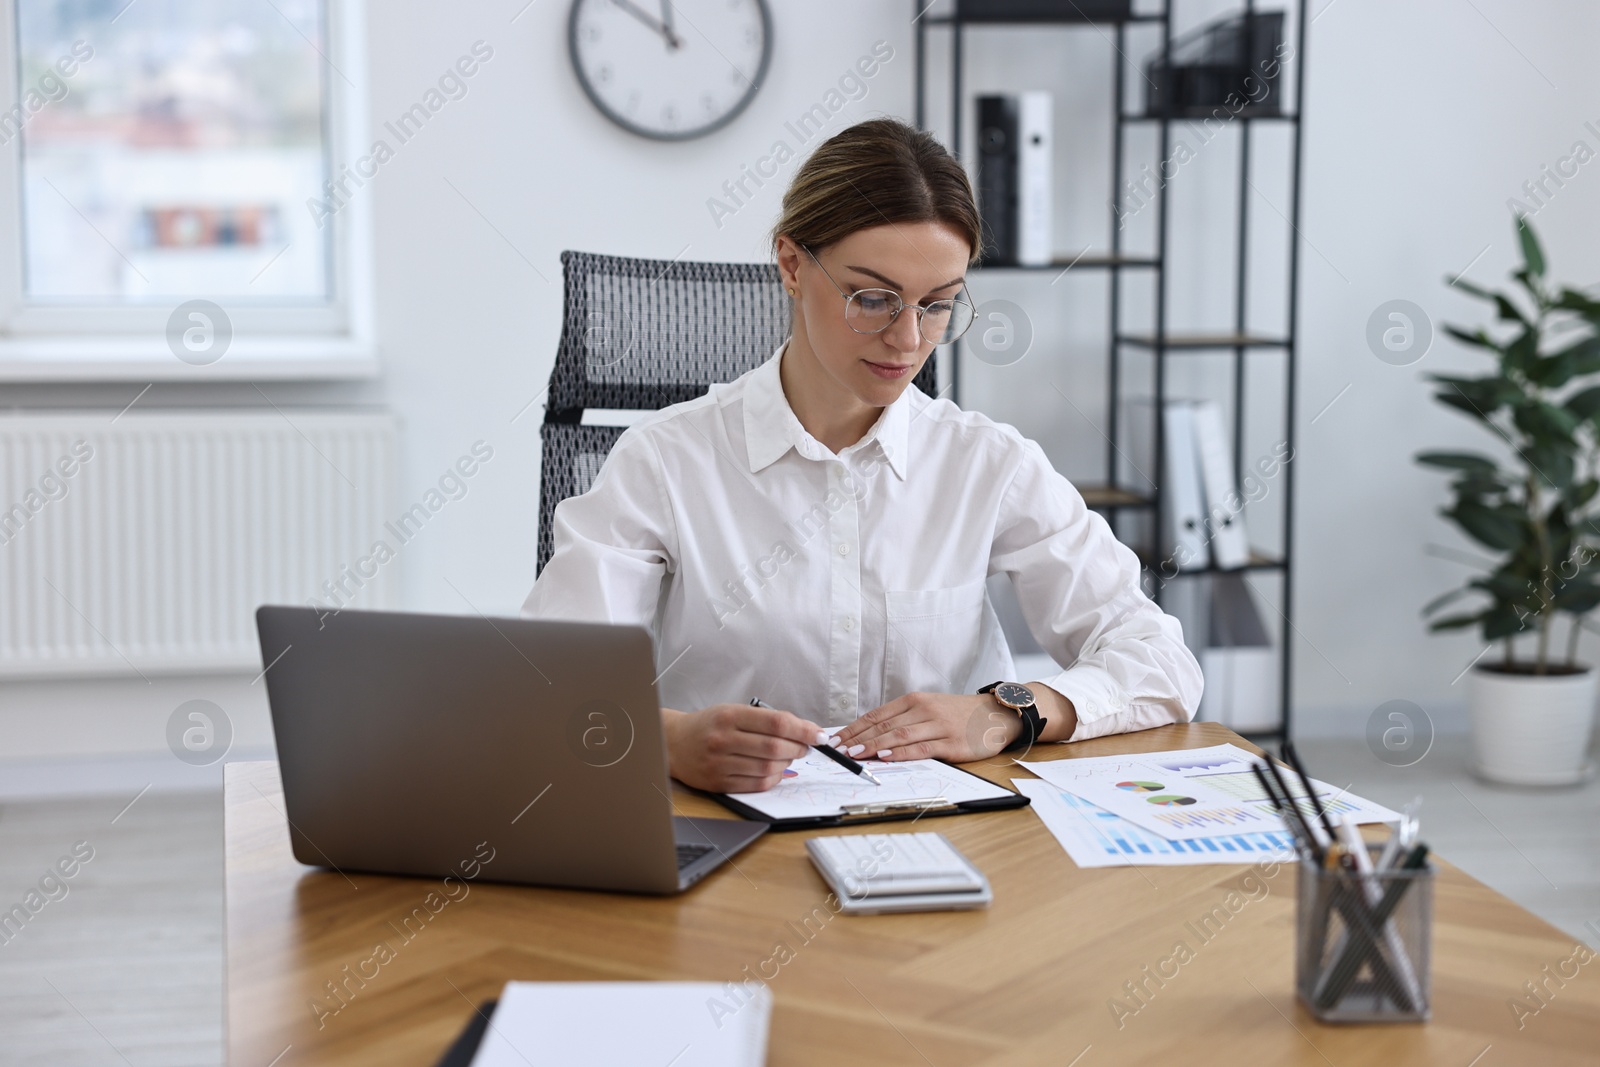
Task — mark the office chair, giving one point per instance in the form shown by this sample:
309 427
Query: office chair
642 334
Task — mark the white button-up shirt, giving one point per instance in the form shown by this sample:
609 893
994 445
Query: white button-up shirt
767 566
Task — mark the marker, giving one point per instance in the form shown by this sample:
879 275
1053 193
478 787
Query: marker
828 750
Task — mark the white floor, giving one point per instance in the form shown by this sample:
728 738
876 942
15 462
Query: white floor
1540 847
127 967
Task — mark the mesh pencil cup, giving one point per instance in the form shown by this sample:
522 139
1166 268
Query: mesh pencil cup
1363 942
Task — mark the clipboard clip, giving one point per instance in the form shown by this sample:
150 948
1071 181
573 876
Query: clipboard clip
896 807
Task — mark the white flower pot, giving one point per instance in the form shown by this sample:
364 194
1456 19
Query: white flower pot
1531 729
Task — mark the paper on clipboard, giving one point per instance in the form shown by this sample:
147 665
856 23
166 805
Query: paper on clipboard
814 786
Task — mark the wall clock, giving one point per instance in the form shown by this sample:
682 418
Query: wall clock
670 69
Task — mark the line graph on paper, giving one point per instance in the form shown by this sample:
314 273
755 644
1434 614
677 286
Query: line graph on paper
1246 787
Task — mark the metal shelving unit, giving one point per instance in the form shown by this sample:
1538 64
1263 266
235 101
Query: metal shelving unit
1160 343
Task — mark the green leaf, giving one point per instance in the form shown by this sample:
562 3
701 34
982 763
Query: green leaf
1582 303
1502 621
1460 282
1447 598
1532 254
1490 526
1578 597
1553 465
1456 622
1465 461
1523 351
1475 488
1547 424
1576 360
1508 311
1507 586
1476 337
1479 396
1582 493
1585 404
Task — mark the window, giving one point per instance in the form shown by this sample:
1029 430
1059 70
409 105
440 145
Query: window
158 152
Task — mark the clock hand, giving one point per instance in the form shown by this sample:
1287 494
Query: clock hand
645 18
674 41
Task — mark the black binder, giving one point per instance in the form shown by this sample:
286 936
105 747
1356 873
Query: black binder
998 167
904 811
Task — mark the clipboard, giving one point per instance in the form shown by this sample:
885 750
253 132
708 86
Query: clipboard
888 811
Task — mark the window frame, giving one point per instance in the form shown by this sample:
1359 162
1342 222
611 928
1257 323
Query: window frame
87 342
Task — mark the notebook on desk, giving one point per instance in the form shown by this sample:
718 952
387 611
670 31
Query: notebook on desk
816 792
617 1024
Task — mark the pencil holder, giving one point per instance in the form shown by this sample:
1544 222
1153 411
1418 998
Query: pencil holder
1362 943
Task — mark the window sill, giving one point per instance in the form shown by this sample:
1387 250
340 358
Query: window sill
144 359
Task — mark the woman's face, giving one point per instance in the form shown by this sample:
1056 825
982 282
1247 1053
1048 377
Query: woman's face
922 261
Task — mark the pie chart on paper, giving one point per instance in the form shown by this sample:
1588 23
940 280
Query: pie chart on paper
1141 787
1169 800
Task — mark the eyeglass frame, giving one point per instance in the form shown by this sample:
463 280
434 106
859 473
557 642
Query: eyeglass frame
919 308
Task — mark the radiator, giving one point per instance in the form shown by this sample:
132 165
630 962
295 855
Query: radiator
142 542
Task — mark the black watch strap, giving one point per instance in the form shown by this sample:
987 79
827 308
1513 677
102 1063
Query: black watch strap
1032 723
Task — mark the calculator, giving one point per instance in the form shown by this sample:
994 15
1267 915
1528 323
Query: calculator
877 873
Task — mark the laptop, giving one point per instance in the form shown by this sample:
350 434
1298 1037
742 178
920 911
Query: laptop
421 744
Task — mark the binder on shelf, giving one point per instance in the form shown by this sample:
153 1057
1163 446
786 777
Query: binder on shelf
1239 662
997 178
1223 526
1185 537
1233 59
1035 147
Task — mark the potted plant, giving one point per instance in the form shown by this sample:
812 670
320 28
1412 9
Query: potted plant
1533 506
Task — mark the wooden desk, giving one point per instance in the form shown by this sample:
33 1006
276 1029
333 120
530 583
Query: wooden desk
1028 981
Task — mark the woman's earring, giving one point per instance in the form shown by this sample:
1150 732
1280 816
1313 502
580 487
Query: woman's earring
791 292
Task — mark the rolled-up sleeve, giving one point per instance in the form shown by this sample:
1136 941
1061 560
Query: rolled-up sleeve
613 545
1127 667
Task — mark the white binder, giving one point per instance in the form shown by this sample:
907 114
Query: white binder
1035 149
1223 525
1241 689
1185 500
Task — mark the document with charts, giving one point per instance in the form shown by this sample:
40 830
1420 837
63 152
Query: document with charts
814 785
1194 792
1095 837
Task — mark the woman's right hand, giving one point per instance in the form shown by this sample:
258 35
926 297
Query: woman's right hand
735 748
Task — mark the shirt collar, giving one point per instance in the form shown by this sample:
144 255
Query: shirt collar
771 427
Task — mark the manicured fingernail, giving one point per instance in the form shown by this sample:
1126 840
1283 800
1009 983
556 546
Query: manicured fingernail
885 753
833 739
856 750
822 737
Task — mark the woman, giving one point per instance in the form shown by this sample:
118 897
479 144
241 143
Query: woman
818 534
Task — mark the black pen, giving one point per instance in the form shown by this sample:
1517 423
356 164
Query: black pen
828 750
1293 759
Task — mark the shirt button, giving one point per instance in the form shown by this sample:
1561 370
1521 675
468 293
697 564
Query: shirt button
844 549
849 623
843 704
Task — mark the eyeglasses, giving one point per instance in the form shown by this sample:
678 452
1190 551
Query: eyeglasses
874 310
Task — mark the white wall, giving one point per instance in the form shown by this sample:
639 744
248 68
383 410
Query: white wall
1422 118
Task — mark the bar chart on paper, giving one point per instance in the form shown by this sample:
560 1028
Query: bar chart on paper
1095 837
1185 793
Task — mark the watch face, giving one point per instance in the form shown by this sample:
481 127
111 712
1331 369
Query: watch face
1014 694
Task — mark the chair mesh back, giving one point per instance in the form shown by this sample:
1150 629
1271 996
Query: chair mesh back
572 457
644 334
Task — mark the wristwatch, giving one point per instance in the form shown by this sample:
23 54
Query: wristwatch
1019 698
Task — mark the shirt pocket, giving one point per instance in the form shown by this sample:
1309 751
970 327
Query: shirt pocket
937 638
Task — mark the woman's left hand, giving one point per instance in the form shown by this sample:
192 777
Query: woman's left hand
949 726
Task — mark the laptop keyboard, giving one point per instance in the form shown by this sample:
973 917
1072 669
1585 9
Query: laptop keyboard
687 854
